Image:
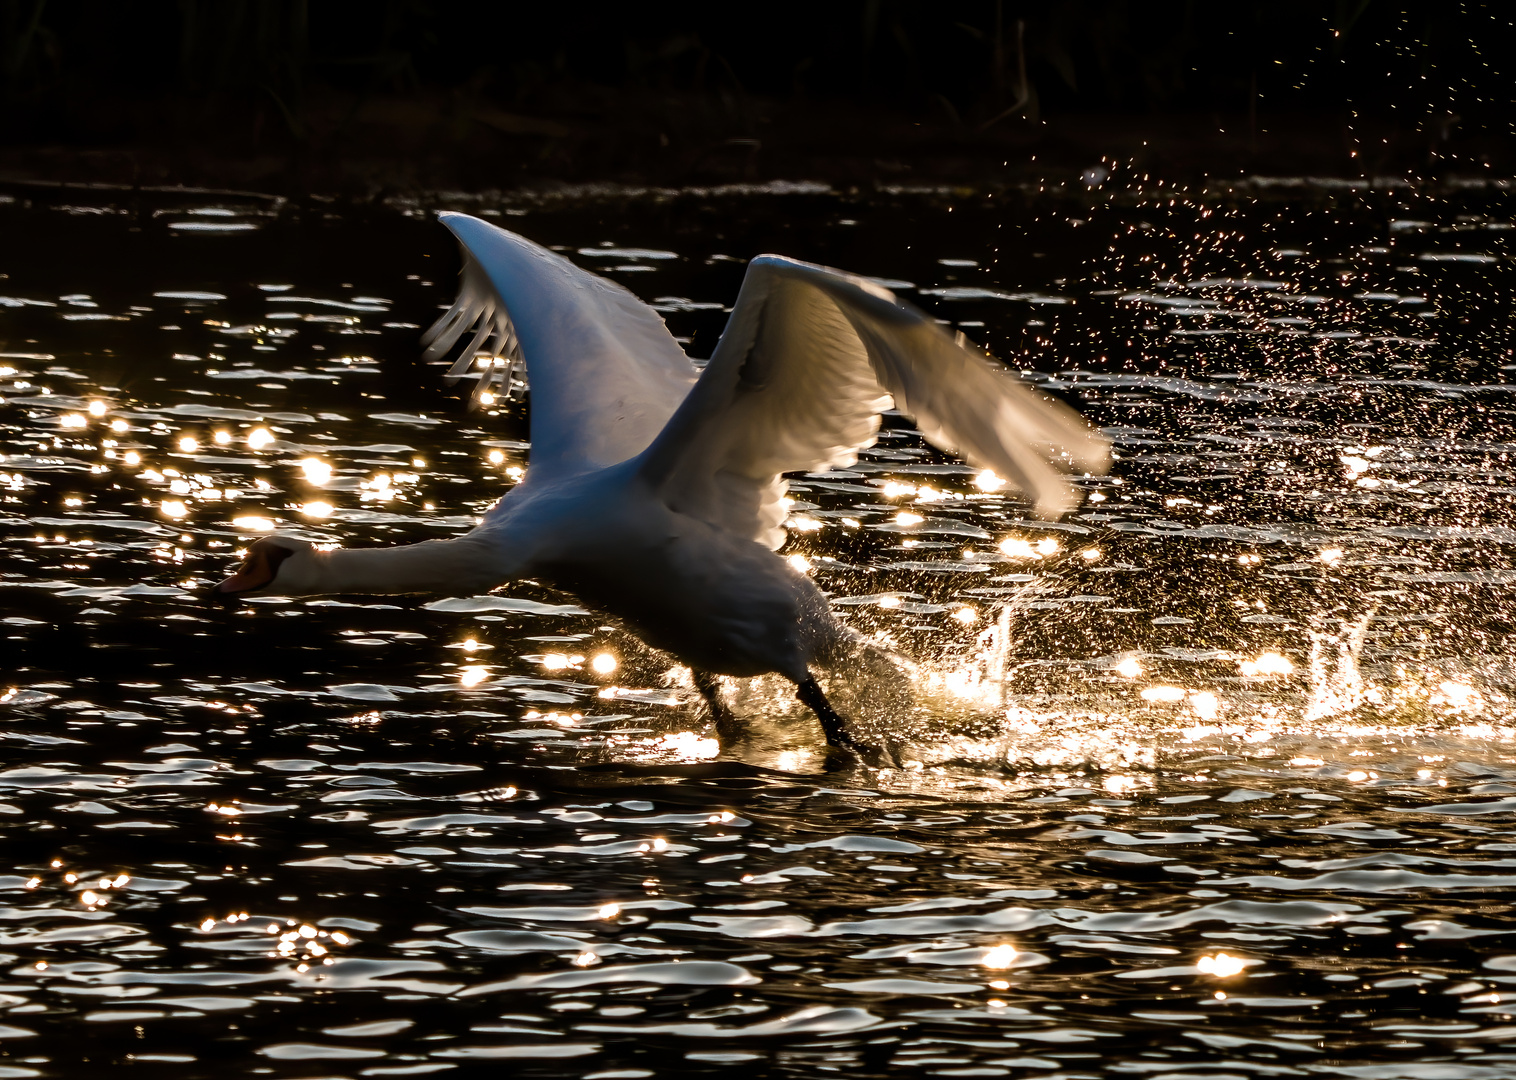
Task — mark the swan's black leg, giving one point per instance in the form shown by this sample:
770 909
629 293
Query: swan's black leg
835 726
831 721
710 688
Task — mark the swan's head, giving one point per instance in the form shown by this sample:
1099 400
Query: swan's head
274 566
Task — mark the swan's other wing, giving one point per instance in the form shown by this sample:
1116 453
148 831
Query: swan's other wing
605 373
809 358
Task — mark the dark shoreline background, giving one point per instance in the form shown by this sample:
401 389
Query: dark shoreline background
366 99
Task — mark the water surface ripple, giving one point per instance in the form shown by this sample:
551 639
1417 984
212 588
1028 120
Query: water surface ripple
1214 779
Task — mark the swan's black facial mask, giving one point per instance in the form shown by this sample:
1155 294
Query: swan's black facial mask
257 571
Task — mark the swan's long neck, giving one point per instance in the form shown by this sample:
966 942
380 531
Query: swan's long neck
460 566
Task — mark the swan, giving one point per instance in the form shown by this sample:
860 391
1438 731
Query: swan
655 489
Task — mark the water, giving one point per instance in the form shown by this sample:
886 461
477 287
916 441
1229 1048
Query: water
1222 785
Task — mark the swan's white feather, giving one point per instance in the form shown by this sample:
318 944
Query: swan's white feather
494 344
605 373
809 358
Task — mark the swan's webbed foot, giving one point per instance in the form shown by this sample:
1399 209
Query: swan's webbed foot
835 726
841 759
709 685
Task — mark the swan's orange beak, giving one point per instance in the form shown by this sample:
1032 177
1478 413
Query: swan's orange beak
257 571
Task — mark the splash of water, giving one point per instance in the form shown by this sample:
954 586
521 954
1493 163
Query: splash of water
1337 683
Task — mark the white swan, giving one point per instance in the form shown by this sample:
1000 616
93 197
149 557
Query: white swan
655 491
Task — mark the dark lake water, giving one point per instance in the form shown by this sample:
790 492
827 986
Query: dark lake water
1215 779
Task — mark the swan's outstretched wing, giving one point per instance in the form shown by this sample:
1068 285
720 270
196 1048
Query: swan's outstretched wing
808 359
605 373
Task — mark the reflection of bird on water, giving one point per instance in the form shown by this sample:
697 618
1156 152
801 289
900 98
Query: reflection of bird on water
655 491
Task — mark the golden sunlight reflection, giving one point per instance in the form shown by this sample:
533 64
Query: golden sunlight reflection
472 675
222 438
688 744
254 523
1129 668
791 760
1163 693
316 471
1459 696
379 489
907 517
603 664
1205 704
303 943
999 957
1331 556
317 509
1017 548
71 421
988 481
800 564
608 911
96 408
174 508
258 438
1269 663
188 444
1356 466
1221 965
